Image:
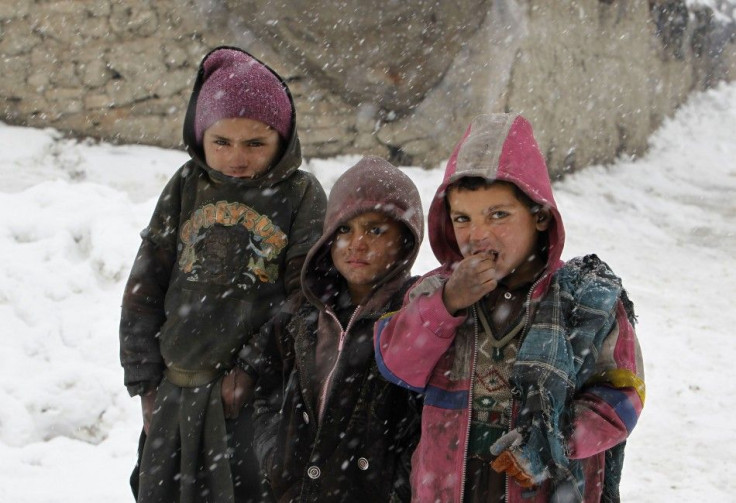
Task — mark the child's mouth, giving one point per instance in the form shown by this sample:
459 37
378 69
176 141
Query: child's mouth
491 253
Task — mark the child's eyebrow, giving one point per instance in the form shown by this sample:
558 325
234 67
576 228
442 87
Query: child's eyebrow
373 223
495 207
485 211
228 138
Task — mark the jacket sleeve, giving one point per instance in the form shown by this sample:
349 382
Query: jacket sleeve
292 275
265 358
142 316
609 404
410 342
142 313
306 229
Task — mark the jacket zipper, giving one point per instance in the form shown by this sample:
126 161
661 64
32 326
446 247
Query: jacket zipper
341 343
470 404
323 392
521 340
470 390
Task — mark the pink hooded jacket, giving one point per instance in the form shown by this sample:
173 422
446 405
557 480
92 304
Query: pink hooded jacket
419 347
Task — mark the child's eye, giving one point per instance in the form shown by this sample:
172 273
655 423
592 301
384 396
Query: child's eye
460 219
377 231
255 144
221 142
343 229
498 215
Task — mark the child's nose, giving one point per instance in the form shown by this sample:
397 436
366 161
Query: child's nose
240 156
478 233
357 242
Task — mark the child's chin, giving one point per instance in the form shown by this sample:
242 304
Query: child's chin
239 174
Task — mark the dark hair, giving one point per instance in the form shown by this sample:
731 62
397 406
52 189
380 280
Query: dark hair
473 183
407 238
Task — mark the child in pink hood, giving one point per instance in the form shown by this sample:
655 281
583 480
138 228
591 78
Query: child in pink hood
530 367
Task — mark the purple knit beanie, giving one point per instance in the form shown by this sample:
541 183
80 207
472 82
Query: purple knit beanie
237 85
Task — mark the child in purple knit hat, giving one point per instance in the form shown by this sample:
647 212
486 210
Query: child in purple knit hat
236 85
222 251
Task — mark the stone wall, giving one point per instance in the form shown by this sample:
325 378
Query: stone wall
398 79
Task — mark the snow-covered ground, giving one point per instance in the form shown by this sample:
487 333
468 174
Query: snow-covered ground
72 211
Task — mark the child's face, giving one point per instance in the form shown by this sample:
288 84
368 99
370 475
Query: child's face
364 249
492 221
243 148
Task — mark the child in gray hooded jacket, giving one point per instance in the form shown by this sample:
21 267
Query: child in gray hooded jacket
223 248
328 427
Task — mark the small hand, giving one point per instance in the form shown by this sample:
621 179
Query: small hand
512 461
148 400
472 278
237 389
514 467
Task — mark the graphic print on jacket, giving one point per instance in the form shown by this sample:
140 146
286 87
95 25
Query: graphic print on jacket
212 245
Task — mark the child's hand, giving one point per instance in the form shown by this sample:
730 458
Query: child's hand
472 278
513 460
237 388
147 403
515 467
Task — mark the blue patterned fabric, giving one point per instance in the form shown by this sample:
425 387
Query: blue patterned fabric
556 357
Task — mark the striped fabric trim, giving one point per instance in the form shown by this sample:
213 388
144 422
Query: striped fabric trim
382 368
619 402
433 395
443 399
621 378
386 315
